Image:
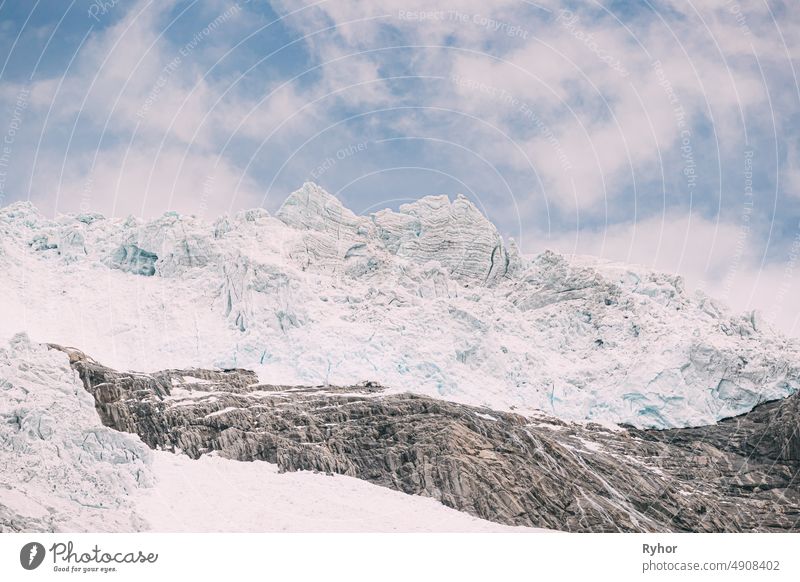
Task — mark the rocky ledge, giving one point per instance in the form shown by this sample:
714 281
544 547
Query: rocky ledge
738 475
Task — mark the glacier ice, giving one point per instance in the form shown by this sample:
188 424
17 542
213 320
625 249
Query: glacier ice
62 469
428 298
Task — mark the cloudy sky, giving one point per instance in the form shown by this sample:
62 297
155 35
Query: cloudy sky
661 132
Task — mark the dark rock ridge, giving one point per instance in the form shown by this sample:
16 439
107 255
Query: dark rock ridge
738 475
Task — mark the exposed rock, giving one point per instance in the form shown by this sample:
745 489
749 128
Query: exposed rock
738 475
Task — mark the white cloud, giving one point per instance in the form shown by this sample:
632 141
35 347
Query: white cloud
143 123
148 182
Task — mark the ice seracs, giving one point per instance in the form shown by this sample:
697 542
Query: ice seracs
428 298
434 230
62 469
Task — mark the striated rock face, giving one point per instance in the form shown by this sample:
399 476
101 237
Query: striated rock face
738 475
453 235
456 235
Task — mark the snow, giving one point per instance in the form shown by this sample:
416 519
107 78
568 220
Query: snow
485 416
427 299
65 472
216 494
221 412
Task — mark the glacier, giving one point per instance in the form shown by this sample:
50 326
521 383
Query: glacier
63 471
427 299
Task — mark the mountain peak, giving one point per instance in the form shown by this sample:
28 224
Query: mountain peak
314 208
427 298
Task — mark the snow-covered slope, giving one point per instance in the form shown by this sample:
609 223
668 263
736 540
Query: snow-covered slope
428 299
217 494
64 471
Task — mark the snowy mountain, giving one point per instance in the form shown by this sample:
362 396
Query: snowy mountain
428 299
441 380
64 471
90 448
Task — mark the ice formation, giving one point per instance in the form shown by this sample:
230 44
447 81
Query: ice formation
62 469
428 299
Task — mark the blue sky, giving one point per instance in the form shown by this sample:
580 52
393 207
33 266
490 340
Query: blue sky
659 132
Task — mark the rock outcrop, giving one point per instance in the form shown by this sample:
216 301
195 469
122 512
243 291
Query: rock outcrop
738 475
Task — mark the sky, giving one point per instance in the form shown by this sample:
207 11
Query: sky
658 132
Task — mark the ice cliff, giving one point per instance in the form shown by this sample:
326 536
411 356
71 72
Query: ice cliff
428 299
62 469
